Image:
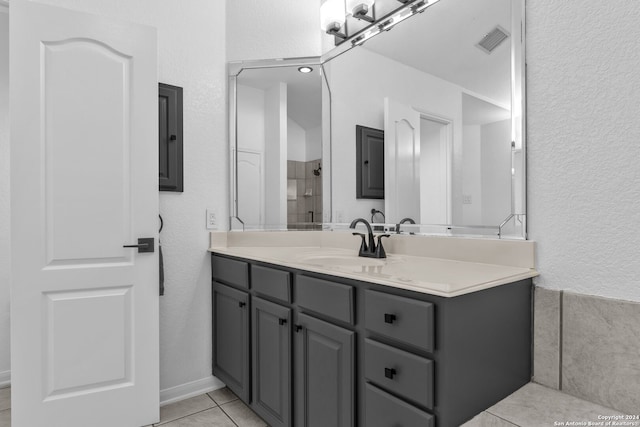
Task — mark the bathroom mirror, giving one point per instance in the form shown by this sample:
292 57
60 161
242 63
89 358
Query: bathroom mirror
446 88
276 144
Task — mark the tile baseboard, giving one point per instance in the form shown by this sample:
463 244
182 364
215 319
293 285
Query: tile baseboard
190 389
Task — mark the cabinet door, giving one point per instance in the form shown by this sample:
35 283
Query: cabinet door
369 163
231 338
324 374
271 362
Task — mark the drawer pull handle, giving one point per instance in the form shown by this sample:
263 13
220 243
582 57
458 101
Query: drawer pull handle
298 328
389 318
282 321
241 304
389 372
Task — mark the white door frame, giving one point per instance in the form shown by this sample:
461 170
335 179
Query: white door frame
446 146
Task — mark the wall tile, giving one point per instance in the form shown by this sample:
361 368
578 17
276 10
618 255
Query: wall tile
546 337
601 351
5 398
291 169
300 170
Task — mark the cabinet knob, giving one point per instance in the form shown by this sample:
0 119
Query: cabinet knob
389 318
241 304
389 372
282 321
298 328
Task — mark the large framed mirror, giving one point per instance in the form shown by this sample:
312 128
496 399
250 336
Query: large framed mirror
276 149
429 115
445 89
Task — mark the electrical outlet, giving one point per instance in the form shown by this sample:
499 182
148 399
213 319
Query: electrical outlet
212 219
466 199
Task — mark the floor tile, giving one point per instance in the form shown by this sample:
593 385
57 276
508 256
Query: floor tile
185 407
222 396
210 418
5 398
486 419
546 338
5 418
535 405
242 415
600 347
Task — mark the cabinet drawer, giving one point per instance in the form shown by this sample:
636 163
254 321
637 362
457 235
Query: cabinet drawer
230 271
402 319
402 373
271 282
384 410
327 298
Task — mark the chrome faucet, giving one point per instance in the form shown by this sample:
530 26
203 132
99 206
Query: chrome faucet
371 249
402 221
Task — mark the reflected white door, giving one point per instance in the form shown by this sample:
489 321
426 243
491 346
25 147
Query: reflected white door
84 180
401 161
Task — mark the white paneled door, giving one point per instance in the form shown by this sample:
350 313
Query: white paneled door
401 161
84 180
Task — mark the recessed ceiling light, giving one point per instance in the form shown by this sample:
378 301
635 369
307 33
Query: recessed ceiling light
305 70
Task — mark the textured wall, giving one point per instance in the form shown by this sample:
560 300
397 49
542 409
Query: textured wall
258 29
583 114
5 246
191 54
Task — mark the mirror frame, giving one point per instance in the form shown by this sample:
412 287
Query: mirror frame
234 69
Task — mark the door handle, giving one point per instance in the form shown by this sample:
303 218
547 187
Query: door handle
145 244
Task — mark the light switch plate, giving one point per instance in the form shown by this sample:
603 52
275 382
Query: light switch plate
212 219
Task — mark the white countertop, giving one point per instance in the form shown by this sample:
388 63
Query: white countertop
427 274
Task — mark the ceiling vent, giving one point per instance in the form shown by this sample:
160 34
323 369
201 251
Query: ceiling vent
493 39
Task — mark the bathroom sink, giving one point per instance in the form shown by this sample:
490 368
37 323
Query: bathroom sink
340 260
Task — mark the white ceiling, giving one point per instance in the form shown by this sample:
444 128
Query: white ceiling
442 41
304 91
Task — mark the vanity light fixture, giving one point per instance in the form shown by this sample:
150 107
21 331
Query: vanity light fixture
332 18
362 9
305 69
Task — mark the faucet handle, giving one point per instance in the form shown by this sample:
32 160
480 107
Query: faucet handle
380 252
363 246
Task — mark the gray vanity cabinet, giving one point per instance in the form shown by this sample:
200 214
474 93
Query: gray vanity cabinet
324 374
331 351
271 361
231 338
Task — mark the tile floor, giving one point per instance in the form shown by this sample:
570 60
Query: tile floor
220 408
533 405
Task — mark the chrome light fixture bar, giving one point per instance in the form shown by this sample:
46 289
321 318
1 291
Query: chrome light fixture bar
392 20
335 16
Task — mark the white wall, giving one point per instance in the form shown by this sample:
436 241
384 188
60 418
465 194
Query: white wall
583 155
314 143
259 29
250 118
358 89
191 38
5 233
495 165
275 159
471 179
296 141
